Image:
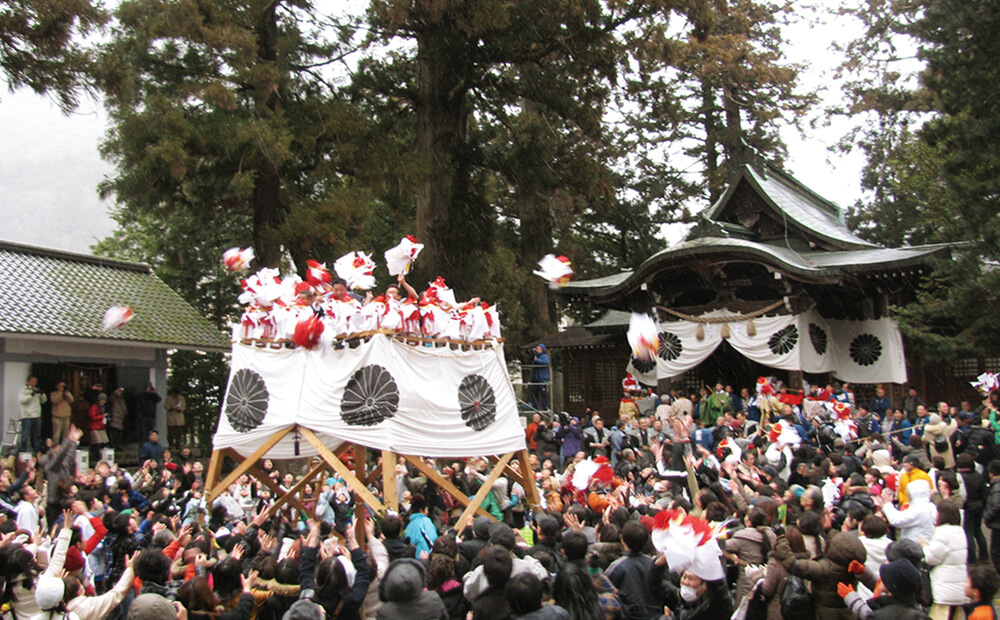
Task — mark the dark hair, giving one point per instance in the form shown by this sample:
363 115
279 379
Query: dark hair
497 565
795 541
985 579
227 577
949 513
197 596
391 526
16 564
937 462
440 569
610 534
574 546
965 461
417 503
288 572
916 441
152 566
331 577
524 593
266 566
635 536
716 511
808 523
994 468
947 476
573 590
446 546
874 527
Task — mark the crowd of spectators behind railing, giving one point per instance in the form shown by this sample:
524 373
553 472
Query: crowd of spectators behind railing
888 525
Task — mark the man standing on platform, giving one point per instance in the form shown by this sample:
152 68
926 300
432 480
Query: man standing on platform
62 411
175 406
147 409
31 399
717 403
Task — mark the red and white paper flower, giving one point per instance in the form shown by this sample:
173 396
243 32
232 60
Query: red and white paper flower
557 270
116 317
400 259
356 269
236 259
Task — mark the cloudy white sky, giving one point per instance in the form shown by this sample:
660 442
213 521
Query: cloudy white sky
50 173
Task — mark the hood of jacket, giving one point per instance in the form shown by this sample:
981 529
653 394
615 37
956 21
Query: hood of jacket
403 581
919 491
844 547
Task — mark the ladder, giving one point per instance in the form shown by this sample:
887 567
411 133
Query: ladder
11 438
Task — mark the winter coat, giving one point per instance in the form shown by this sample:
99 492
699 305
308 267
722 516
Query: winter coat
918 520
773 587
572 440
826 572
875 548
991 518
116 411
941 429
714 604
748 544
628 574
946 552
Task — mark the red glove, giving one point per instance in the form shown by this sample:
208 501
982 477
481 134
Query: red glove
856 567
843 589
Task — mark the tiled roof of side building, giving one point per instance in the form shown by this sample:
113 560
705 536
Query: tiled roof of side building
55 293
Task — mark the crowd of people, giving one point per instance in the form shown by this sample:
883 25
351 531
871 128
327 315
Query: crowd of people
801 523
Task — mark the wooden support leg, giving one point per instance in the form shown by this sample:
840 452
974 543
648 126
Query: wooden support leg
214 467
484 490
241 468
342 469
390 493
360 470
265 480
289 496
528 481
442 482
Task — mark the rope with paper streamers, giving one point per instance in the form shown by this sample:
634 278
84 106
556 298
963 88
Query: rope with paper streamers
725 320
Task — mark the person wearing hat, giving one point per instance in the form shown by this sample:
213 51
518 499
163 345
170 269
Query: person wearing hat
155 607
901 579
915 521
95 420
911 472
937 436
148 400
403 595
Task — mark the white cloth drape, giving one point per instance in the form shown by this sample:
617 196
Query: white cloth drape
855 351
435 402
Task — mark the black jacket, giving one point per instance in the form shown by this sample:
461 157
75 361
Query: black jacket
991 518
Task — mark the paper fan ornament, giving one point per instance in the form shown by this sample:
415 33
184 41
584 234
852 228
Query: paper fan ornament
557 270
400 259
317 274
236 259
986 383
630 383
116 317
689 544
585 471
356 269
308 332
783 434
643 337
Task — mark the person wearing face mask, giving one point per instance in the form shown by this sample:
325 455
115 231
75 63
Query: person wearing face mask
695 599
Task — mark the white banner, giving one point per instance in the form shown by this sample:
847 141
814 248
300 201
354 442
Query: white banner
855 351
384 394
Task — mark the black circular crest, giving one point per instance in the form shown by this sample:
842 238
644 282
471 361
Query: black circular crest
371 397
246 402
783 340
817 336
477 402
866 349
643 366
670 347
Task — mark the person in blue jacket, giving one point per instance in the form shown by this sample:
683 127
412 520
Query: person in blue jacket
420 530
540 379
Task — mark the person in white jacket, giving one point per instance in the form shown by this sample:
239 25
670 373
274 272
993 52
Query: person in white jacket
916 521
946 553
79 606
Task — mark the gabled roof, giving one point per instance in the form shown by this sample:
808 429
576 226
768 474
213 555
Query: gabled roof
55 293
794 203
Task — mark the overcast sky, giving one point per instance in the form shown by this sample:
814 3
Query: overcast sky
51 167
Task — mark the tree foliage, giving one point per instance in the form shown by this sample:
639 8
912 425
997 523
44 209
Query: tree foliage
42 46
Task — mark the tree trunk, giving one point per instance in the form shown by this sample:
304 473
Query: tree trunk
266 199
441 120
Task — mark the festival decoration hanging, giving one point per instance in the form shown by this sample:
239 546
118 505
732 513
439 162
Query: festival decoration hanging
317 274
556 270
236 259
116 317
986 383
400 259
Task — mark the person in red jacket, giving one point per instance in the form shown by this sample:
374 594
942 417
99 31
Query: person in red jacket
95 425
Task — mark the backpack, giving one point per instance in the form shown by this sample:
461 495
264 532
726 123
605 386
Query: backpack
796 600
941 443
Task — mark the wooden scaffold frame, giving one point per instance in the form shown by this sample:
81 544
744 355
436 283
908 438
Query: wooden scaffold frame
360 478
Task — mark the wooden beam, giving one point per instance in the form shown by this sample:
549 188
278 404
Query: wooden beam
256 472
510 471
442 482
241 468
531 493
360 468
289 495
214 467
390 492
484 490
343 470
